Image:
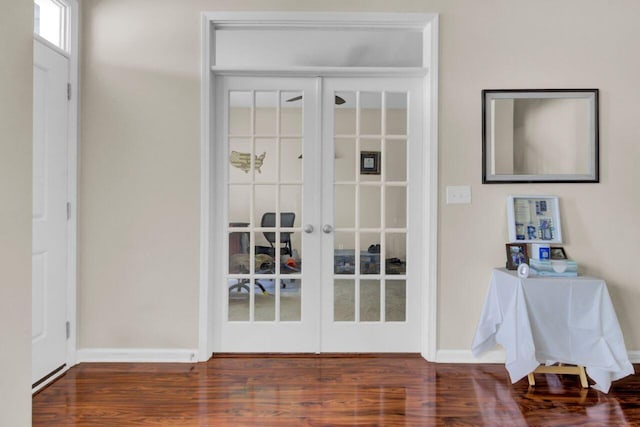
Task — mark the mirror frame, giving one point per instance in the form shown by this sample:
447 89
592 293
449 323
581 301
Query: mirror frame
594 162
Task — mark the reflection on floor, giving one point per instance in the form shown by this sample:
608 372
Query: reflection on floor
321 391
344 301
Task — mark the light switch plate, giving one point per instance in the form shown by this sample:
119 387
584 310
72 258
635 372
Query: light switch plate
458 194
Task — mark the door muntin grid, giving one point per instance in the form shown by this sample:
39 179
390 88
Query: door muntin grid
370 206
264 141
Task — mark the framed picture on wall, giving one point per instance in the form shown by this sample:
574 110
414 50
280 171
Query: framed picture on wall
370 163
534 219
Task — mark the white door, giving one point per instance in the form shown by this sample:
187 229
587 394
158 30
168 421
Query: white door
339 159
372 174
269 150
49 248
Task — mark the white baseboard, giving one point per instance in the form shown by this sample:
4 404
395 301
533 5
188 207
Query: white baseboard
140 355
493 356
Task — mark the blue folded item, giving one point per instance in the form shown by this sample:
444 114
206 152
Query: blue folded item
546 265
552 273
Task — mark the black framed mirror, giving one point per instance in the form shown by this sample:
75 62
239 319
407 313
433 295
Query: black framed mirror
540 135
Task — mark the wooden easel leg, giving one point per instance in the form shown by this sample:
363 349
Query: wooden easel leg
583 377
532 380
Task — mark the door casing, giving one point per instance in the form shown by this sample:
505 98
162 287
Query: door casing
211 212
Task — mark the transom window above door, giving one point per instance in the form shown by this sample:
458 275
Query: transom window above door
50 21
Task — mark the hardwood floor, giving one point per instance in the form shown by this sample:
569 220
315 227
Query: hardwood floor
325 391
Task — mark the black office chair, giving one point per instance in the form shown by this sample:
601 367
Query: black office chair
269 221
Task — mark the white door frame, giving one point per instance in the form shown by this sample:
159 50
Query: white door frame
211 211
72 54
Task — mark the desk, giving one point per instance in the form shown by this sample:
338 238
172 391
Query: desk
548 320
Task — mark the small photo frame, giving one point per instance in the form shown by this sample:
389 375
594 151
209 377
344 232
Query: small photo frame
370 163
557 252
516 254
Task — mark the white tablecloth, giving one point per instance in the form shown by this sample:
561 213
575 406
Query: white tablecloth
547 320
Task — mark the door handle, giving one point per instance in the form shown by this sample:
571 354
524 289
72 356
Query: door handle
308 228
327 229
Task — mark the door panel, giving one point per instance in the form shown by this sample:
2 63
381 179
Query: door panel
271 284
49 248
372 149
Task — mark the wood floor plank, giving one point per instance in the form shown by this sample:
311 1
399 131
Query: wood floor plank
325 391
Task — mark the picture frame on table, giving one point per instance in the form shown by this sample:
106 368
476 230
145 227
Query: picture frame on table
557 252
370 163
534 219
516 254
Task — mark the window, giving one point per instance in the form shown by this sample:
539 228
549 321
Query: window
50 21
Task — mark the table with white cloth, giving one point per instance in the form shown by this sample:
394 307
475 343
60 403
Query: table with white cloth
546 320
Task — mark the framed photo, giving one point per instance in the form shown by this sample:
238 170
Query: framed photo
370 163
557 252
534 219
516 255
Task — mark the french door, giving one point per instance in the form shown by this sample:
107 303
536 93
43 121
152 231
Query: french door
320 250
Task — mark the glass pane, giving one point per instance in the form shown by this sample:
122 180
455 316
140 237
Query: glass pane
265 202
240 113
291 205
290 300
370 158
395 163
239 298
395 302
345 159
369 206
239 261
291 258
49 21
239 203
344 297
291 113
396 113
369 253
370 113
345 113
264 263
369 300
265 302
266 169
239 160
290 160
266 109
396 253
395 207
344 253
344 202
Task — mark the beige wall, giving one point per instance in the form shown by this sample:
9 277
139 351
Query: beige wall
16 98
139 186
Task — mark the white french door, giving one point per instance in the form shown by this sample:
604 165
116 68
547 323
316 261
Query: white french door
267 140
372 146
320 248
